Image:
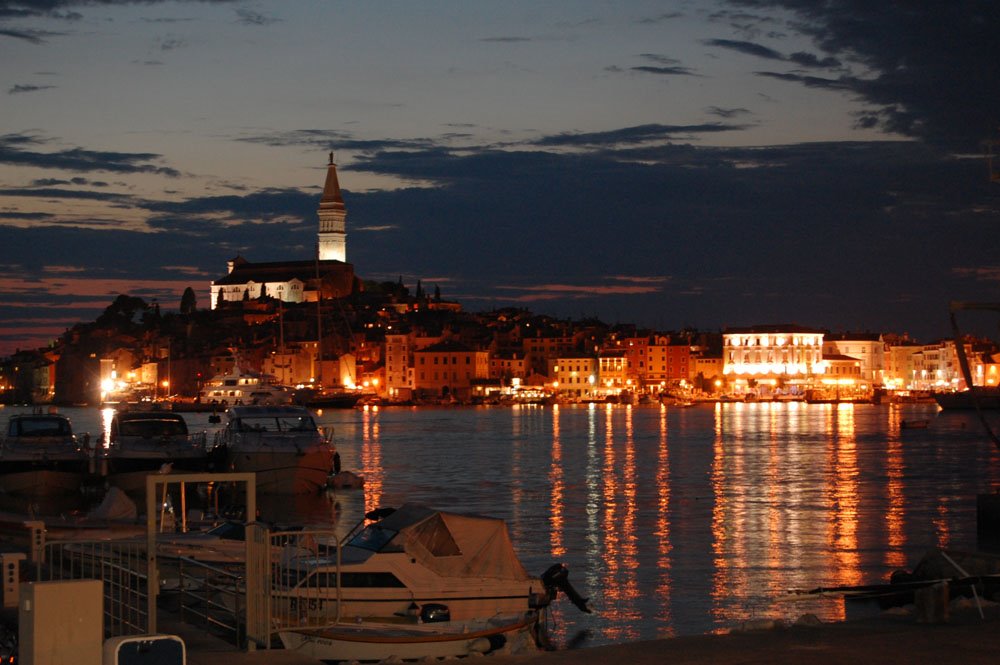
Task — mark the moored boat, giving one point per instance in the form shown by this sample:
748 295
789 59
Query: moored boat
979 397
145 442
242 386
411 559
40 456
281 444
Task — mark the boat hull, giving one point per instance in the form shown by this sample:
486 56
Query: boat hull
285 471
981 398
447 639
129 473
43 480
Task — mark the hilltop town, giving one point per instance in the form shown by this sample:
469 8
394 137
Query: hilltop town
417 347
316 326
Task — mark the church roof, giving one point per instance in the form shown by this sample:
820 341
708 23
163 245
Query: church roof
278 271
332 198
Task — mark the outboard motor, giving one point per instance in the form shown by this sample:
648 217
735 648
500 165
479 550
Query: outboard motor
557 578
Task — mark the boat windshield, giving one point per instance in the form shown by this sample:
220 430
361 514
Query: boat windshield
229 531
39 427
273 424
148 428
373 537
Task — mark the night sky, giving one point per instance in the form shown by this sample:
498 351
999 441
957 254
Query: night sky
671 164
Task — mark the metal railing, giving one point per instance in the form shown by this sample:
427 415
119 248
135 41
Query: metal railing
120 565
299 596
212 597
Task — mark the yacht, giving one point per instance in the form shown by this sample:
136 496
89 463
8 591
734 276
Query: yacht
144 442
241 386
40 455
410 562
281 444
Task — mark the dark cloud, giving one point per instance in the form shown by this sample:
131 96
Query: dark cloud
76 159
727 113
804 59
336 140
810 81
506 40
637 134
745 47
55 182
800 58
660 18
35 216
171 43
27 88
265 205
28 8
33 36
928 69
663 66
247 17
664 71
660 59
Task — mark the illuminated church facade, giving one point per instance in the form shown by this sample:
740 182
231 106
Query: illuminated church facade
329 275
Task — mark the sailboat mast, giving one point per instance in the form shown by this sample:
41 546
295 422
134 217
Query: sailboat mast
319 322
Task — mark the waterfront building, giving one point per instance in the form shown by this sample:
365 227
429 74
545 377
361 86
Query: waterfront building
508 366
772 359
398 383
448 370
544 346
842 380
658 363
936 367
991 370
612 372
640 361
707 371
900 365
866 348
327 275
573 375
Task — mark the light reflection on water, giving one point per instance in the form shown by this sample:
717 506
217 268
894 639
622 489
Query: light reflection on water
673 520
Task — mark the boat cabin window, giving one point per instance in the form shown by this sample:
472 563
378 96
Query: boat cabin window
39 427
272 424
148 429
229 531
373 537
366 580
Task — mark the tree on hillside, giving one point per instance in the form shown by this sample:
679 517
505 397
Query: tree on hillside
189 302
123 312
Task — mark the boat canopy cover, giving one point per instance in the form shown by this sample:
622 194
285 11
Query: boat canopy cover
456 545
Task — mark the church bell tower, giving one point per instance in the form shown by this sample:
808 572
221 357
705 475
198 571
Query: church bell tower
332 216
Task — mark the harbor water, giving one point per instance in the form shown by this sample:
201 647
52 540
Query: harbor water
673 521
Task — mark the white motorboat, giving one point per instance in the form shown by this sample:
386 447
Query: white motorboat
281 444
145 442
40 456
241 386
409 561
509 634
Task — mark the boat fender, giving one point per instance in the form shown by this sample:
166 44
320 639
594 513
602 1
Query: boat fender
557 577
480 645
487 644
